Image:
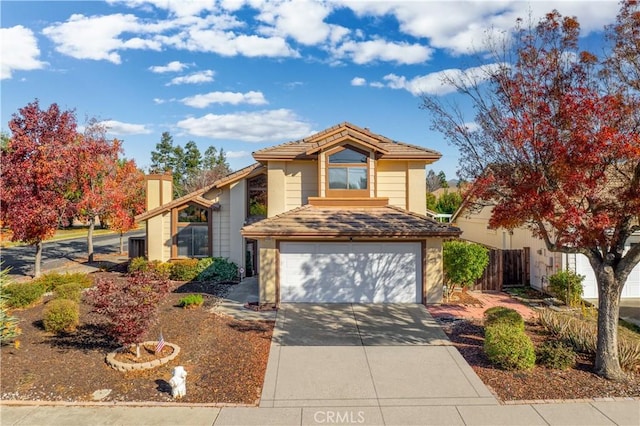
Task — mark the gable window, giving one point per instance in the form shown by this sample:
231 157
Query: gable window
192 236
257 197
348 173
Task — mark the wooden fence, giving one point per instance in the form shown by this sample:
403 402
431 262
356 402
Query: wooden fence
505 268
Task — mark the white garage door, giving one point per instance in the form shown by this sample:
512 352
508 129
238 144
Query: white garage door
631 288
350 272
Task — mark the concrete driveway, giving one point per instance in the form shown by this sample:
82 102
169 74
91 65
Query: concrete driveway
365 357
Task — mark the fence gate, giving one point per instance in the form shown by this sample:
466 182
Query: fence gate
506 268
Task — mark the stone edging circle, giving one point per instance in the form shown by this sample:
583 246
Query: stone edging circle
128 366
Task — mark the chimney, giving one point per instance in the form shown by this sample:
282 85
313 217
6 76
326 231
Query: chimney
159 190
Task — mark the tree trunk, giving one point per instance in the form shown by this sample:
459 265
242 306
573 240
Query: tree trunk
607 359
92 224
38 265
121 243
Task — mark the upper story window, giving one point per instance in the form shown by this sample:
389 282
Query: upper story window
192 232
348 173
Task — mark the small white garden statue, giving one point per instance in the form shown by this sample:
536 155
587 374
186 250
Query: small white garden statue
178 382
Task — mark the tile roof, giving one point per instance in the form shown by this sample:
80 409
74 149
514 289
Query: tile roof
372 222
197 196
305 148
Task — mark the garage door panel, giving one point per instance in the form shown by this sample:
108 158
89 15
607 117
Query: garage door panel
350 272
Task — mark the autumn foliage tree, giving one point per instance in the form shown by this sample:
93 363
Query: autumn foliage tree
557 149
127 198
96 159
37 168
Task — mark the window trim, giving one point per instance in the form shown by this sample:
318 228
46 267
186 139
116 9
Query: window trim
347 193
176 226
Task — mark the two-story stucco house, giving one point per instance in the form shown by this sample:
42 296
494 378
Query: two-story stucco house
336 217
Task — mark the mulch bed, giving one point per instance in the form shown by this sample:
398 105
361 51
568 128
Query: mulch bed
225 358
540 383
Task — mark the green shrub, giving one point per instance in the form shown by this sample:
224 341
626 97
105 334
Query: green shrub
191 301
69 291
61 315
556 354
567 286
53 280
502 315
509 347
162 270
204 264
9 329
220 270
21 295
138 264
582 334
463 264
184 269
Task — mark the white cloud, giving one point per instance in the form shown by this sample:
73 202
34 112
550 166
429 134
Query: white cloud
179 8
99 37
119 128
237 154
19 51
364 52
205 76
233 98
377 84
300 20
441 82
259 126
173 66
358 81
159 101
462 26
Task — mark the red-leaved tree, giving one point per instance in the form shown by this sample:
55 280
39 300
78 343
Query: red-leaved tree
130 305
37 168
556 148
96 159
127 195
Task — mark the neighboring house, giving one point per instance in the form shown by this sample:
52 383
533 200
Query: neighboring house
543 263
336 217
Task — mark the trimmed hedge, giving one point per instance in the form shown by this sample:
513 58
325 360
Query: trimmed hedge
53 280
21 295
69 291
502 315
61 315
509 347
184 269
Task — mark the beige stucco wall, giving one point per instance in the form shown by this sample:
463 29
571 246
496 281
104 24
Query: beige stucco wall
433 275
417 187
268 265
158 235
301 179
392 182
276 185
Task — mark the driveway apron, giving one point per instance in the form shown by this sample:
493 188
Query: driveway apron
365 357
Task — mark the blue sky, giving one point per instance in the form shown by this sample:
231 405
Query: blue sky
243 75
